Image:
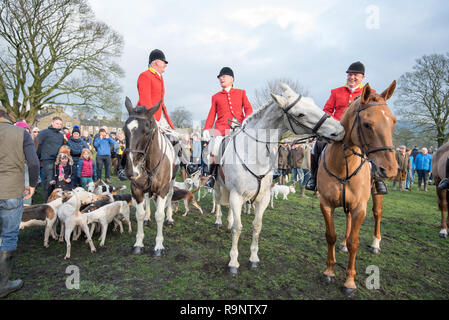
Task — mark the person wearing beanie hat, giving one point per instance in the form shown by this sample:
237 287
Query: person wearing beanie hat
229 104
335 106
76 145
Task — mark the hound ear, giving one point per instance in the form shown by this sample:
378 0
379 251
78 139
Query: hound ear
389 91
281 101
150 112
129 105
365 94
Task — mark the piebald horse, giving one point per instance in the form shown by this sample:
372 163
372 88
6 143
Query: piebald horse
344 174
439 173
248 161
151 169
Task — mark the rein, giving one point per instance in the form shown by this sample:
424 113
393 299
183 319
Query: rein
150 172
363 155
290 118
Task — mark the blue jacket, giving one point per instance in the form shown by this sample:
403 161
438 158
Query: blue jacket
104 146
423 162
412 163
80 166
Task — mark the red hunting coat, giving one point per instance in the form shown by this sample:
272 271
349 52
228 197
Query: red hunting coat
340 99
151 90
225 106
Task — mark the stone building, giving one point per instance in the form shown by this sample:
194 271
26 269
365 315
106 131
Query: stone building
43 121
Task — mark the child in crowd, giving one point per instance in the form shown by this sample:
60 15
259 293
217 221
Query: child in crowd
63 172
87 171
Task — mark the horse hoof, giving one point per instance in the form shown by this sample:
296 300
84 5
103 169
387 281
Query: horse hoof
169 223
343 248
137 250
349 292
146 223
374 250
159 253
443 235
254 265
218 225
328 279
233 270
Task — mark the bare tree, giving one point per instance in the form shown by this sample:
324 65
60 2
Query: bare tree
262 96
423 96
55 52
181 118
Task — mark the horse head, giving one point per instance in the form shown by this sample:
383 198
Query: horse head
303 116
369 124
139 129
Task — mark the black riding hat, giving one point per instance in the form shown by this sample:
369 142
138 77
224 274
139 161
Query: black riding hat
226 70
157 54
356 67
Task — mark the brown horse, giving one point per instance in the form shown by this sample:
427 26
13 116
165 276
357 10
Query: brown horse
344 174
439 173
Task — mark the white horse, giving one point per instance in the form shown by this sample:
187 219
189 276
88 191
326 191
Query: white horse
247 163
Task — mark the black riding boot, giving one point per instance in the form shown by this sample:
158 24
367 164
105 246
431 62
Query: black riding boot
213 176
444 184
6 265
121 168
380 187
311 184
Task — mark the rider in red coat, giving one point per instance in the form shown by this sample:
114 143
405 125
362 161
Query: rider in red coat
229 104
150 86
336 105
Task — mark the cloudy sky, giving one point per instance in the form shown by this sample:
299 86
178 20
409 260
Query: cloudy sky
312 42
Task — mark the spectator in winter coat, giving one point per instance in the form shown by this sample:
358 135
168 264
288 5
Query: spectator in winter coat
283 165
423 164
403 167
76 145
296 158
87 171
63 171
50 140
103 146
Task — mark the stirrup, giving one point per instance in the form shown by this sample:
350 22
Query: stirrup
210 183
311 185
380 188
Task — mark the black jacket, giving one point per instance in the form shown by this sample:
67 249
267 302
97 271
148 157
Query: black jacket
50 140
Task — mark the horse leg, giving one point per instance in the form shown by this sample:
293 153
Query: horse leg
342 247
235 203
217 207
443 206
167 204
358 216
259 210
147 219
331 238
377 212
159 216
140 215
230 218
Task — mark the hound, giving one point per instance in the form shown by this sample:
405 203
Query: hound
284 190
187 196
106 215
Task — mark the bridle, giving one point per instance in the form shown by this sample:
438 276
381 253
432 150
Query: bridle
364 155
150 172
290 118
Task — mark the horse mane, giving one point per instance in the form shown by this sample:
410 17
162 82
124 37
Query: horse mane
258 114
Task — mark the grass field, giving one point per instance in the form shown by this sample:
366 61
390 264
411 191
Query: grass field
413 263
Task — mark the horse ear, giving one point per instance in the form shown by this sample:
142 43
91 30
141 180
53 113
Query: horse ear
365 94
288 92
150 112
389 91
129 105
281 101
